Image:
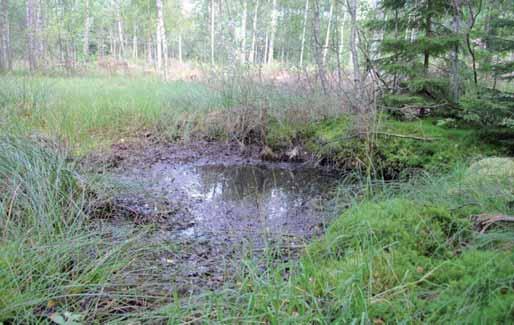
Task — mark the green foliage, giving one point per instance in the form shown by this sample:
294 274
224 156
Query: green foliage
489 109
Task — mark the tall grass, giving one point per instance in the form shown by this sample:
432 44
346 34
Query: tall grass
52 264
87 112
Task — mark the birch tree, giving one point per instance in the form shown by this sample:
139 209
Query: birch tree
5 38
243 31
327 37
212 31
254 32
352 9
305 16
273 32
85 46
119 24
31 34
162 44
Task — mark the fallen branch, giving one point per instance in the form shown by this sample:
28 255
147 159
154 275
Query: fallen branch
404 136
484 221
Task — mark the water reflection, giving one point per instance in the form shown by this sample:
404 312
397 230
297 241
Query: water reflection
245 197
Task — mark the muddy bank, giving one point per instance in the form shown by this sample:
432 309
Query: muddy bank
214 204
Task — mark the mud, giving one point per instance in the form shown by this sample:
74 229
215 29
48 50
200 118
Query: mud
209 205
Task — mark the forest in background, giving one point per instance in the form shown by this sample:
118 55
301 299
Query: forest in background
425 54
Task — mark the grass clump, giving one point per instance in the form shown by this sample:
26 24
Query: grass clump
51 264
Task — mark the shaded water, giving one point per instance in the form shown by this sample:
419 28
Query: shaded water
246 200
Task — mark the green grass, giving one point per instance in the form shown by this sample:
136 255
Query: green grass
90 113
51 262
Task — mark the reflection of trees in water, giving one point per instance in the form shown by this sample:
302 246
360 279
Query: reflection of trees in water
259 183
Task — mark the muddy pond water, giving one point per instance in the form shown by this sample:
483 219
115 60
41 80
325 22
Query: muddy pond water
216 204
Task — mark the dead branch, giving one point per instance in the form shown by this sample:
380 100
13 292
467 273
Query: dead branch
484 221
404 136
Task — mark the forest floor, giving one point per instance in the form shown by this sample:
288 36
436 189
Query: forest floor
138 200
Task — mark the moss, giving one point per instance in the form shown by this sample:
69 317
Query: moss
392 153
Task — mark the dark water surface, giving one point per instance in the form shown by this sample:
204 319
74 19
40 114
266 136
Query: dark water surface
245 201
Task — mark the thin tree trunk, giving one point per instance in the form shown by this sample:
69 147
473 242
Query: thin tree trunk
162 43
134 42
352 7
274 17
149 49
266 48
158 36
305 16
31 37
212 32
119 23
254 33
5 36
180 59
39 25
454 68
327 38
428 34
341 42
317 51
85 46
243 36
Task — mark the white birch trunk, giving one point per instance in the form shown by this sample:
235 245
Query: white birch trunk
254 33
305 16
327 37
274 17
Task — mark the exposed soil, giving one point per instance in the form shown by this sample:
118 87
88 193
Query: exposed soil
209 205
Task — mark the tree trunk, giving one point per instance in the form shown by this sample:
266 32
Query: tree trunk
341 42
180 59
243 33
149 49
212 32
5 57
31 37
39 25
162 44
454 68
85 46
134 42
317 48
428 34
305 16
254 33
327 38
352 7
266 48
274 17
119 23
